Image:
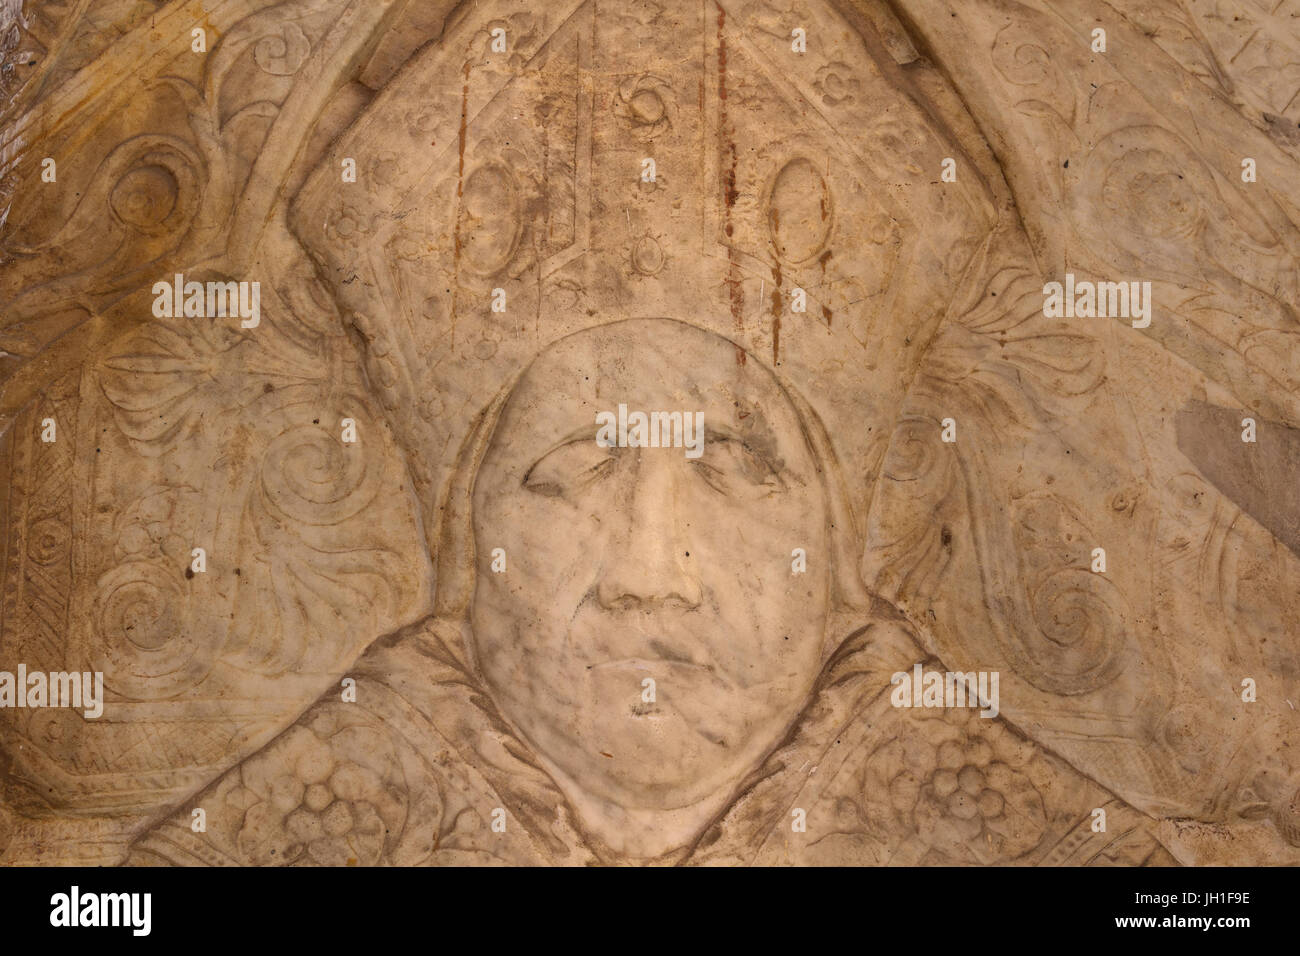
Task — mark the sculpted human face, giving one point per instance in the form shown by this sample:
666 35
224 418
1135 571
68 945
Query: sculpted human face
625 564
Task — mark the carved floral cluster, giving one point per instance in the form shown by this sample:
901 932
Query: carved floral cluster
962 789
321 796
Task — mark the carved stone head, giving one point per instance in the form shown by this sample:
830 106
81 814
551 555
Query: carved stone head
567 229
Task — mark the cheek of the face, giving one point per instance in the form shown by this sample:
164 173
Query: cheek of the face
520 615
765 623
731 637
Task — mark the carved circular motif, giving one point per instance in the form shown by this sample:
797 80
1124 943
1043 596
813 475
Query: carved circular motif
310 477
145 650
490 219
646 107
285 53
1147 191
647 256
141 614
645 104
913 465
47 540
150 184
145 196
799 211
1080 635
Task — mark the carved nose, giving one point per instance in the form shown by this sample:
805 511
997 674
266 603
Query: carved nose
647 564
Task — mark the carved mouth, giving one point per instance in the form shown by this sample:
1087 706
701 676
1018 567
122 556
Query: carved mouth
654 664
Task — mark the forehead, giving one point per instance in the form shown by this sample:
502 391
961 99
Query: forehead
647 365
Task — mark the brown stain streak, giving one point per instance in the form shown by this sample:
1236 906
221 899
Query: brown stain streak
464 121
776 314
774 226
734 291
460 192
824 258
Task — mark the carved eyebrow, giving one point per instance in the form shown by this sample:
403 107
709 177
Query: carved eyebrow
582 433
767 455
760 437
722 431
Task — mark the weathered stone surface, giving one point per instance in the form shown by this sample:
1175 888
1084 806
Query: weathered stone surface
438 619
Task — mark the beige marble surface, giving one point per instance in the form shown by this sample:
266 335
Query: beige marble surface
437 620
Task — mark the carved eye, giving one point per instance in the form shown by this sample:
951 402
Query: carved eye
734 468
569 468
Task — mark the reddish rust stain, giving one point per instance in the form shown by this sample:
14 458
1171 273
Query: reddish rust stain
824 258
460 192
776 314
464 120
737 296
730 194
722 54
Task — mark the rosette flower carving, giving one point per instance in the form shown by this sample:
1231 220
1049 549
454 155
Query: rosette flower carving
322 795
645 104
961 789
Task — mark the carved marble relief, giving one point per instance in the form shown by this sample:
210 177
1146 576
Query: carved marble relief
592 432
